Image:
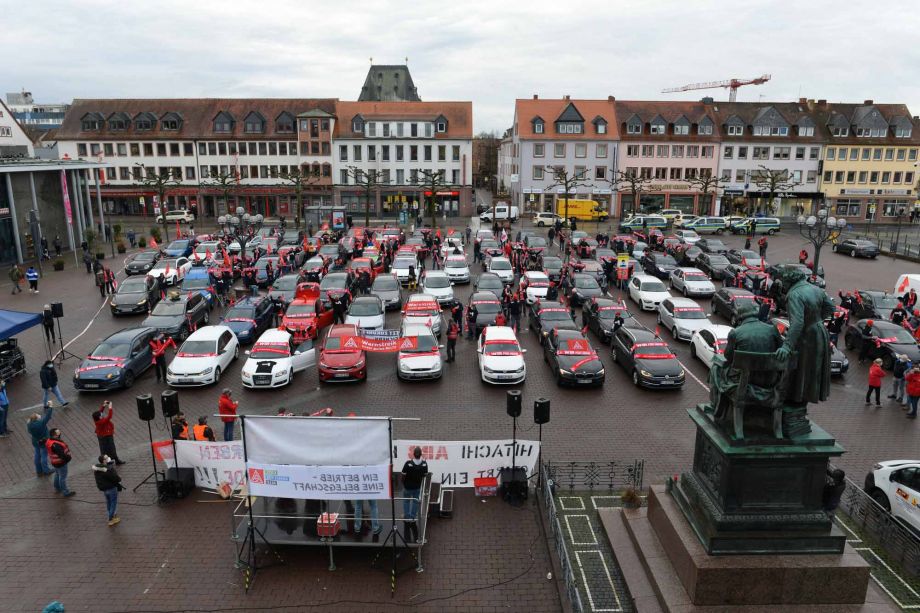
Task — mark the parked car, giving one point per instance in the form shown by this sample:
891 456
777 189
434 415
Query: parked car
712 264
423 361
706 343
181 247
552 266
639 222
180 215
424 309
387 288
692 282
501 359
547 316
501 267
599 314
274 358
198 279
401 265
203 357
761 225
142 263
889 340
284 288
583 288
489 282
335 284
572 359
250 317
895 486
534 284
725 302
439 285
647 291
170 270
117 361
873 304
339 363
682 317
647 359
712 245
457 269
179 314
135 295
658 264
547 219
746 258
306 315
487 308
688 237
366 312
857 248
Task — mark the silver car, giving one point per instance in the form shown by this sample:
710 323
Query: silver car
387 288
682 317
691 282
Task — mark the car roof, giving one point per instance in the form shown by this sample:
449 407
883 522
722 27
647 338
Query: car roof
690 269
128 334
250 301
640 334
499 333
208 333
645 277
435 273
497 258
416 329
484 296
683 302
536 273
373 299
274 335
421 297
736 291
343 330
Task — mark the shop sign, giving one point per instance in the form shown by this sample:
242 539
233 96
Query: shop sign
515 178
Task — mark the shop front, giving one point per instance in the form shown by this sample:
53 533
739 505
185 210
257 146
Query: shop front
693 203
873 205
784 204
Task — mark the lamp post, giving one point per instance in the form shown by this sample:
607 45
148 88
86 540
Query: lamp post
897 240
818 230
241 226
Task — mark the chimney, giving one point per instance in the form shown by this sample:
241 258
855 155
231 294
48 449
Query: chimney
822 102
536 97
611 99
867 102
565 97
803 100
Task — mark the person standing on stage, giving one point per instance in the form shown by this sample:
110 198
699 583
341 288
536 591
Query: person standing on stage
413 475
226 408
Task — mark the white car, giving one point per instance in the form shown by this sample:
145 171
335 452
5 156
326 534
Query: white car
706 343
501 359
171 270
366 312
536 284
457 269
895 485
501 267
683 220
682 317
687 236
203 249
254 241
691 282
450 244
545 219
438 284
274 359
180 215
203 356
423 309
647 291
401 264
423 361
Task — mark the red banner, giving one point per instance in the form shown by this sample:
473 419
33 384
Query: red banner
379 345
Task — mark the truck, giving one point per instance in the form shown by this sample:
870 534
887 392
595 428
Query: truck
584 210
502 211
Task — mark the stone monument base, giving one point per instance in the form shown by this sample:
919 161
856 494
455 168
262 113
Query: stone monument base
667 569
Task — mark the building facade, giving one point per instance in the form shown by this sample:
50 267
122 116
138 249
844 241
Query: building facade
579 136
34 114
671 145
506 163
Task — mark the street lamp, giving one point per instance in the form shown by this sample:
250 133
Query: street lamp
818 230
241 226
894 247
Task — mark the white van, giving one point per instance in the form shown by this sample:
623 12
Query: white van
906 283
502 211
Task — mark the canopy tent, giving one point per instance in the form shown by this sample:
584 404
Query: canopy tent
14 322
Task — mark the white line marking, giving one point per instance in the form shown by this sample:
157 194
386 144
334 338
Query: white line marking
581 503
896 576
594 500
584 579
91 321
847 528
568 526
692 376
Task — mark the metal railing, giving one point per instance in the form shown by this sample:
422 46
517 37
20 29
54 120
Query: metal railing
562 552
898 542
610 476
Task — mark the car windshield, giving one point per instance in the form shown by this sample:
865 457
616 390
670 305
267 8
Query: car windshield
198 347
314 262
500 265
665 260
364 308
437 282
500 347
111 349
900 335
585 282
332 282
270 351
887 301
132 286
653 286
263 263
403 264
490 283
560 315
714 244
169 308
334 344
196 283
694 312
146 256
695 277
385 284
552 263
536 241
178 245
487 307
239 312
718 260
651 349
329 249
424 344
287 282
456 264
300 309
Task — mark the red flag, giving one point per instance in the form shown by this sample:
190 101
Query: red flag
207 254
162 294
178 229
227 262
268 248
167 271
584 330
153 243
657 332
197 257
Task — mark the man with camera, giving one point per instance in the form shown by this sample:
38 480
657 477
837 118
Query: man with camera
109 483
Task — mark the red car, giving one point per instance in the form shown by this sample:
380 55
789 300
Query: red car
357 264
305 315
338 363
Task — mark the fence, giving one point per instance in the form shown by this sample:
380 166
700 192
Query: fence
899 543
609 476
562 551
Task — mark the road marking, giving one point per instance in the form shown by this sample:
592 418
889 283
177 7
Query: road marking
896 576
580 507
584 578
568 526
692 376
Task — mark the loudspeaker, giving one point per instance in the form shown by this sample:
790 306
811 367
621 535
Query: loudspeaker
541 411
145 407
169 400
179 483
57 309
513 484
514 403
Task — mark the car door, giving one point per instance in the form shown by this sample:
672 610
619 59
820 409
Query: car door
634 290
707 348
224 349
905 494
677 279
718 303
264 315
303 355
324 316
551 348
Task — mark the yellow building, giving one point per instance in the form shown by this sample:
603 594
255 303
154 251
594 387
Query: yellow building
870 161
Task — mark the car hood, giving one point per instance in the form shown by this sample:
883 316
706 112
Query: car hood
503 362
163 321
387 296
692 324
98 369
347 358
420 360
186 365
238 327
660 367
440 292
266 367
286 294
365 321
700 284
129 299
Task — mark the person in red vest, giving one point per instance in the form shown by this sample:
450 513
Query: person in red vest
803 256
226 408
158 347
105 432
59 454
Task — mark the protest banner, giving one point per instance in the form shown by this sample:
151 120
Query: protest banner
457 463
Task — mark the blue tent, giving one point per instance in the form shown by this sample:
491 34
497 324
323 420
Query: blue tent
14 322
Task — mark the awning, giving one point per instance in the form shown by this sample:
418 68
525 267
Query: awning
14 322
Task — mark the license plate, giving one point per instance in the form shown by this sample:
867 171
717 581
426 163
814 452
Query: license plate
91 386
181 381
503 376
585 381
341 376
667 382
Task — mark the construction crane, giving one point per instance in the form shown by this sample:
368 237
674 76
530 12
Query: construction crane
731 84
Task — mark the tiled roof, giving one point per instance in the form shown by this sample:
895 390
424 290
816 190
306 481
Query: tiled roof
550 110
197 115
459 115
670 111
850 111
750 112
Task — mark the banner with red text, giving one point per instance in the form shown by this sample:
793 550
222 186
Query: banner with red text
319 482
457 463
379 345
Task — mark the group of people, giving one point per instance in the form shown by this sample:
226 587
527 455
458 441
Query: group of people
17 276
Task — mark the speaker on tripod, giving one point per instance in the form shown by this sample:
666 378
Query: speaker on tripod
540 417
513 481
146 411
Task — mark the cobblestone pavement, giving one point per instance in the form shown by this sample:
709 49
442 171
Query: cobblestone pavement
617 421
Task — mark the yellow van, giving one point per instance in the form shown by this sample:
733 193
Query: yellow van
585 210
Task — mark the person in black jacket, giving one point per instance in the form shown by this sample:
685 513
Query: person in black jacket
109 483
48 323
49 379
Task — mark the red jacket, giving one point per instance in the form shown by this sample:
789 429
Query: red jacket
227 409
104 425
875 375
913 383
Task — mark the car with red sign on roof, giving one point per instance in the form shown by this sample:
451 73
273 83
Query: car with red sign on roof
682 317
706 343
423 309
487 306
421 359
546 315
501 359
534 284
572 359
599 315
341 357
647 358
691 282
725 302
275 358
306 314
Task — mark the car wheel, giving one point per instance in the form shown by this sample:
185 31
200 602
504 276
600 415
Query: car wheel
129 379
720 231
685 291
540 224
635 378
879 496
236 352
771 232
217 374
674 333
206 318
853 254
888 362
183 333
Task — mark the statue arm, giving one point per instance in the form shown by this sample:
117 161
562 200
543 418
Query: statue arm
796 309
827 307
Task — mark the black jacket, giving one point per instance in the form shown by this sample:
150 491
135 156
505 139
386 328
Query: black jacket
106 477
48 376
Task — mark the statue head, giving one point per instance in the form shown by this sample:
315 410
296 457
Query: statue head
747 309
791 275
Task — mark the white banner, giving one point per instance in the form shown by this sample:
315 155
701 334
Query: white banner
214 463
457 463
319 482
317 441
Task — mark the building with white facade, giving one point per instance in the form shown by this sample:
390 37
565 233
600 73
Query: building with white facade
40 116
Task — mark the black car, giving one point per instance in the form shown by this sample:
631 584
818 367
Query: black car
591 267
250 317
142 263
775 270
490 247
581 288
489 282
746 257
889 340
117 361
598 316
135 295
839 362
712 264
658 264
729 274
179 314
336 283
872 304
688 256
857 248
547 315
552 266
487 308
647 358
315 268
285 287
712 245
573 360
725 302
331 251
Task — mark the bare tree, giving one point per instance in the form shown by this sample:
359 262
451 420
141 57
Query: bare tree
369 181
160 181
227 183
708 184
568 181
773 182
433 182
300 179
633 183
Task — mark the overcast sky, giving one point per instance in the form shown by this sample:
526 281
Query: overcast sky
490 52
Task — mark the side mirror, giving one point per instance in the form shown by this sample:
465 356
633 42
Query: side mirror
298 352
523 351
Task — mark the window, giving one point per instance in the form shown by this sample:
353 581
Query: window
282 148
399 152
371 128
848 206
877 153
707 151
661 173
356 153
838 131
442 153
413 175
831 153
632 151
427 153
682 129
161 149
343 153
538 127
873 176
854 153
601 127
675 174
912 155
728 152
371 153
761 153
537 173
704 129
838 176
646 172
726 175
600 172
813 153
413 153
356 127
631 171
581 150
647 151
657 128
781 153
263 149
148 150
909 178
253 125
634 128
442 126
428 130
677 151
122 149
828 176
343 177
222 148
123 173
400 176
693 151
800 153
863 176
559 150
851 176
385 152
812 176
690 173
866 152
806 131
742 153
735 130
190 172
739 175
902 132
135 149
108 149
539 150
661 151
897 177
81 148
454 176
886 177
455 153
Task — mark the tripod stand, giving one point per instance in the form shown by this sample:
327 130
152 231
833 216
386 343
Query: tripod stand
62 354
156 475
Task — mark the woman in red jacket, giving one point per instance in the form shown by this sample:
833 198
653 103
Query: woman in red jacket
913 389
226 408
875 380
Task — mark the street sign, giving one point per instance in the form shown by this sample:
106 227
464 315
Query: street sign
622 266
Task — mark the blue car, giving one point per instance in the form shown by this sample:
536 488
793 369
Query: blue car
198 279
117 361
250 317
181 248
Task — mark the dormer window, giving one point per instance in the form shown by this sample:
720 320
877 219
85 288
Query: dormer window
440 124
223 122
92 121
284 123
171 122
869 132
254 123
600 125
634 128
569 128
119 122
681 129
735 130
570 121
657 128
902 132
538 127
704 128
357 124
806 130
602 128
838 131
771 131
